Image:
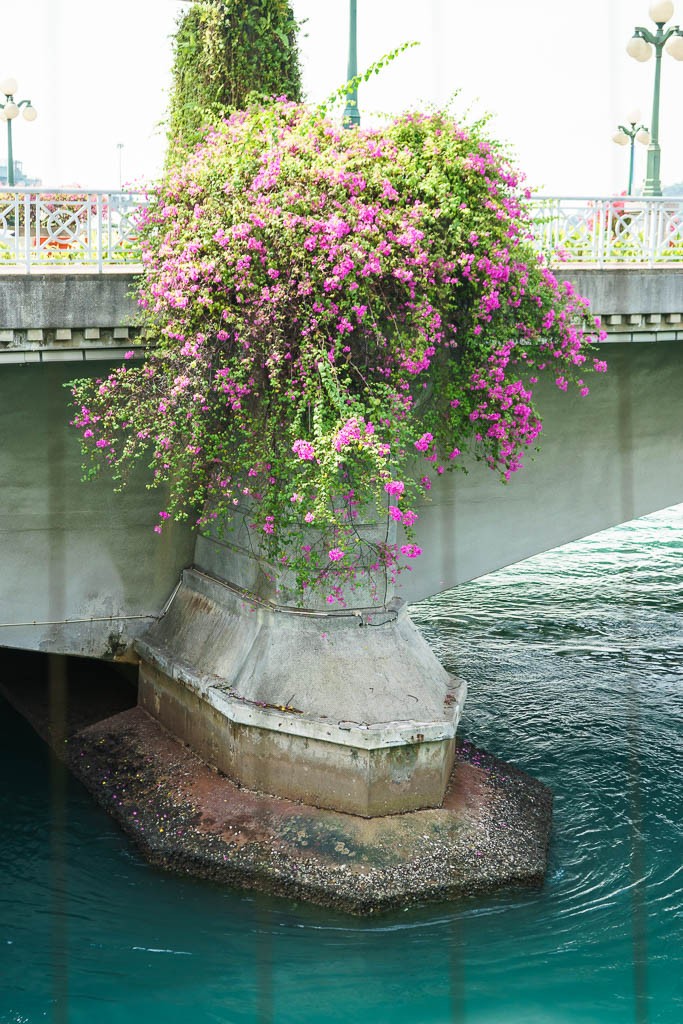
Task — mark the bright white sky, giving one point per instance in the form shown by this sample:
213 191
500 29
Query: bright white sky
555 75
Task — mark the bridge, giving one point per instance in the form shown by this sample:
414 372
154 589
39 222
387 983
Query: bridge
83 574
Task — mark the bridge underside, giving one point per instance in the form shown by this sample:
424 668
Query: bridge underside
82 572
604 459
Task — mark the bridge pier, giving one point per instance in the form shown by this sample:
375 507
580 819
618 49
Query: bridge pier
348 710
316 708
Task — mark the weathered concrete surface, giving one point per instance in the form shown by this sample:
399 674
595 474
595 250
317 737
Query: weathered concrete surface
236 556
54 300
348 710
628 289
81 570
82 298
492 832
603 460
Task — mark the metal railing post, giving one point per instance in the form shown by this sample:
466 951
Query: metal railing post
99 233
27 229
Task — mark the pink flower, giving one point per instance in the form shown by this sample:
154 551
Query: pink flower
304 449
411 550
395 513
424 442
335 554
395 487
349 432
309 517
129 354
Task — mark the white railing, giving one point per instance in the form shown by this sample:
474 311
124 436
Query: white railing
603 230
42 228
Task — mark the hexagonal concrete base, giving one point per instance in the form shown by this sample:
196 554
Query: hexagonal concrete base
345 710
492 831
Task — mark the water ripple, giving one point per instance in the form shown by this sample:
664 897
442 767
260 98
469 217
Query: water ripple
574 661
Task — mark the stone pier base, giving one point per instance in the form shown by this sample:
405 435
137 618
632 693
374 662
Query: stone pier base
491 833
348 710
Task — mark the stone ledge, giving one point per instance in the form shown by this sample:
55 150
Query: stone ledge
43 339
21 356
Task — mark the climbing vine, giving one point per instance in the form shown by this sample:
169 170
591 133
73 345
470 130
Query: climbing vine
335 318
225 51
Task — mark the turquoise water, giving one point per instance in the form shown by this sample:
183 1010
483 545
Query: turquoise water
575 665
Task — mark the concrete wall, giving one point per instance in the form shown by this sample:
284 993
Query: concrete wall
80 299
54 300
628 289
604 459
81 561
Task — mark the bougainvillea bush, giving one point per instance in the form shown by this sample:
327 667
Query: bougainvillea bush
335 317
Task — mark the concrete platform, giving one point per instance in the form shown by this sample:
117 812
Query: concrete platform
491 833
348 710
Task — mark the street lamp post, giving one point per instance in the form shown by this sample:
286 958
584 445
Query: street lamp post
351 111
8 111
640 48
624 135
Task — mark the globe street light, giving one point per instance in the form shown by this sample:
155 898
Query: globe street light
351 111
8 111
640 48
625 135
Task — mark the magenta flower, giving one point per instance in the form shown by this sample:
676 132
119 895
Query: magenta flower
293 285
423 443
304 449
